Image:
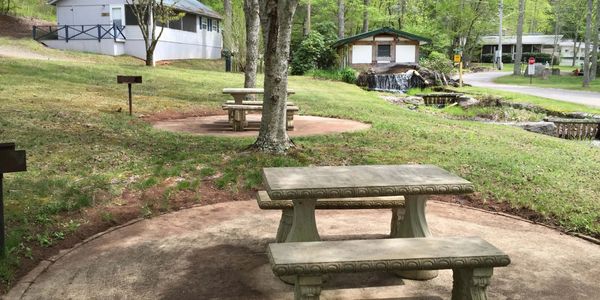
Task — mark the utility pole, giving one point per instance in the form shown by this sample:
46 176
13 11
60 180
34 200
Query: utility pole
500 16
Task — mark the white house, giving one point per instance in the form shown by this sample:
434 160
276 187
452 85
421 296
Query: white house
567 53
110 27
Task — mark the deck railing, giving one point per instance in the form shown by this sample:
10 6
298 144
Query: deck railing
577 129
78 32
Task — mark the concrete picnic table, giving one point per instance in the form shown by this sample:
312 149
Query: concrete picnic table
305 185
239 94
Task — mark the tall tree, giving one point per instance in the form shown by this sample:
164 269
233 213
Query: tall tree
365 26
557 20
596 33
341 19
148 13
401 13
588 40
251 13
307 19
228 32
273 137
519 54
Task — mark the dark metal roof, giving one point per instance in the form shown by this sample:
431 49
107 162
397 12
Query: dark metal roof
192 6
389 30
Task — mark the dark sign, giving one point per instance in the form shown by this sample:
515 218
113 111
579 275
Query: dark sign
129 79
12 160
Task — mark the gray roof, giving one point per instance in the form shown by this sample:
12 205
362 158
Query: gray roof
192 6
537 39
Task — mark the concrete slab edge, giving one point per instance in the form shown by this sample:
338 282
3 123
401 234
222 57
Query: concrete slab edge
21 287
562 230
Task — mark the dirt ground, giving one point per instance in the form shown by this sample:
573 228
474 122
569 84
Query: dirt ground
18 27
219 126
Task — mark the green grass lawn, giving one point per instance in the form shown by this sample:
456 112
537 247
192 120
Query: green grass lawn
82 152
553 81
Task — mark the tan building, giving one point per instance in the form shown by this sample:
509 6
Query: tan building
379 47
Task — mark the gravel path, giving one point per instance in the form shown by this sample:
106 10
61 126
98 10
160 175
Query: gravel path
485 79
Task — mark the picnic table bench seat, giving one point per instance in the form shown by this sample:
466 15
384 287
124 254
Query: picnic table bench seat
395 203
252 102
237 114
471 259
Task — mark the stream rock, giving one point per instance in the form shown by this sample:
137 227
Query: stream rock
547 128
467 101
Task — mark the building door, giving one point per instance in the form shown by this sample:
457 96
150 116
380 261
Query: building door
116 14
65 15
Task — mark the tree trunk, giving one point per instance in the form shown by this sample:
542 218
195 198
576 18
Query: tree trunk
251 11
341 19
307 19
365 26
519 55
575 49
273 137
556 30
588 40
227 35
150 57
402 6
596 43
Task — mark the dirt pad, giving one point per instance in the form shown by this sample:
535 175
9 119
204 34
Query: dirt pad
19 27
218 252
219 126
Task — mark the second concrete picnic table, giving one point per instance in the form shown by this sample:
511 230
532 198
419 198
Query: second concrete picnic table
238 108
304 186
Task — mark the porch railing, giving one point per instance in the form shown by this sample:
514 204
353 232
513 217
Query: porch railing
78 32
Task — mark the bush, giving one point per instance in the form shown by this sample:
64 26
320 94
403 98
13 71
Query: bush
315 51
438 62
308 54
347 75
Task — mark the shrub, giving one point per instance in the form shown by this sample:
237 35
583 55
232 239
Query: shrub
307 55
438 62
347 75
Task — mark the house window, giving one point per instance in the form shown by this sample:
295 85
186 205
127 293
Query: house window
210 22
203 22
175 24
189 22
215 25
384 51
130 18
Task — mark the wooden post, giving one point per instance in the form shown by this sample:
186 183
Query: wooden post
99 33
34 32
11 160
130 104
67 33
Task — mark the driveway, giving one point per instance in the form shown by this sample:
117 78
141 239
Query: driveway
485 79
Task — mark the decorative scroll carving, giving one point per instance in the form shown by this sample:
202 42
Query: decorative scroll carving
391 265
371 191
471 284
307 288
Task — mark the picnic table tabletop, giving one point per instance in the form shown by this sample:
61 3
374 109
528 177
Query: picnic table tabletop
361 181
248 91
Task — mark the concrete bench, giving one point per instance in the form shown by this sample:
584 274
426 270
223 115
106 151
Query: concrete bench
237 115
471 259
395 203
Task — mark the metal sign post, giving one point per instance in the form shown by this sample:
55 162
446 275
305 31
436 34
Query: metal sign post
11 161
129 80
531 69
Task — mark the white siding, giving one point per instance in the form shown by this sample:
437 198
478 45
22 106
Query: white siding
406 53
174 44
362 54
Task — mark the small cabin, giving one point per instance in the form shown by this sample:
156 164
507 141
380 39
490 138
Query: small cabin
110 27
379 47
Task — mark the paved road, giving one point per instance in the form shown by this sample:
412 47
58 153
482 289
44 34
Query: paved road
485 79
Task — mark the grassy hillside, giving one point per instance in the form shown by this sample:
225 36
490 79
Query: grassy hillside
83 152
38 9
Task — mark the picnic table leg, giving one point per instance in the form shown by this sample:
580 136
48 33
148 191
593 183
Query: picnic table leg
304 228
414 225
285 224
239 100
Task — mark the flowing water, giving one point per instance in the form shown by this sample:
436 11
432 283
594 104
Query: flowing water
399 82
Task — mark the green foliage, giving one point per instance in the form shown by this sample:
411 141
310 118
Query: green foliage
347 75
38 9
308 55
438 62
